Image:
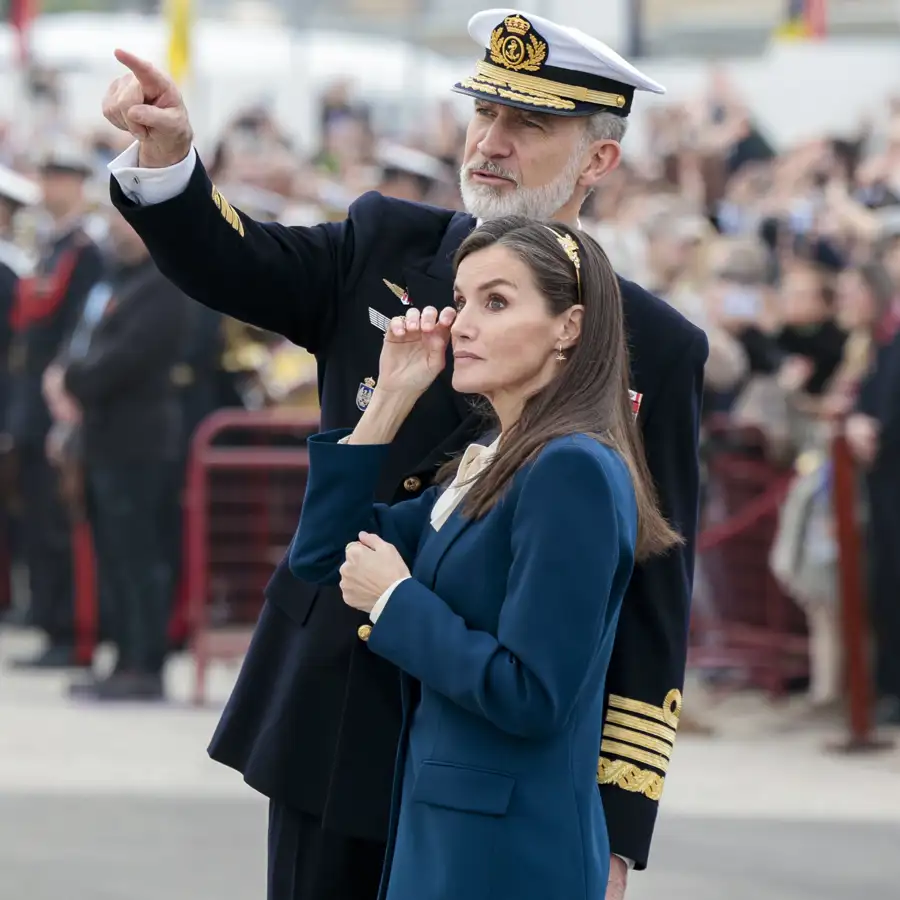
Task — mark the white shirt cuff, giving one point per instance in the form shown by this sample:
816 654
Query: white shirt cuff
149 186
381 602
628 862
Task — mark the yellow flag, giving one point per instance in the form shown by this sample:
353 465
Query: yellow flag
178 15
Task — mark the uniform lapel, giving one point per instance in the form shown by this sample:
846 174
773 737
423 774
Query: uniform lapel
434 287
471 428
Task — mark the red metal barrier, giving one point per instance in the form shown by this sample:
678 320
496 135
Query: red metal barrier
854 612
742 622
241 509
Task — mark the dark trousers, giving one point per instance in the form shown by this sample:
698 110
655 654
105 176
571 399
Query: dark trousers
47 547
307 863
126 499
884 584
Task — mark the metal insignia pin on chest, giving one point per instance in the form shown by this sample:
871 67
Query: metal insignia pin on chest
397 291
635 402
364 394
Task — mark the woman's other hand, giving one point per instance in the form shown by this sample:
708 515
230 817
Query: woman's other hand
372 565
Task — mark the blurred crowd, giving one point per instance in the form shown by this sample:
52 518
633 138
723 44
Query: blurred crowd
788 258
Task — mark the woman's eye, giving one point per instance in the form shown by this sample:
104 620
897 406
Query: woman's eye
495 301
459 303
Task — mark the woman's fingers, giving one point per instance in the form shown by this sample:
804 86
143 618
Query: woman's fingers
412 320
429 318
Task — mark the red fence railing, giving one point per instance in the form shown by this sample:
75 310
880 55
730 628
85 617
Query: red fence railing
742 622
245 485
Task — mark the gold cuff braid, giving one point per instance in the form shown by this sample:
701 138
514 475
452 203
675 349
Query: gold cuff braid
630 777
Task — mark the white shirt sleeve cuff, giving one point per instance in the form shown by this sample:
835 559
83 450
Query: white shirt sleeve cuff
381 602
628 862
149 186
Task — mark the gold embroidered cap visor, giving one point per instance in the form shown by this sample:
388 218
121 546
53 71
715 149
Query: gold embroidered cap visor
534 64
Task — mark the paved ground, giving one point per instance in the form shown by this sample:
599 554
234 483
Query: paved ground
123 804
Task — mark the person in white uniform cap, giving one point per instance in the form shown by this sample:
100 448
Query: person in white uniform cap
408 173
314 719
561 77
16 193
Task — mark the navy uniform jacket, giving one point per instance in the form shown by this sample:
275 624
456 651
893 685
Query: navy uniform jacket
314 717
507 626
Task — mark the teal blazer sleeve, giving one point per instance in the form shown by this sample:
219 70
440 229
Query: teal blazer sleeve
340 503
572 538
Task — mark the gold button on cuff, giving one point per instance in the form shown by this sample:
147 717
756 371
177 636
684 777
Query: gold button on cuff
364 631
412 483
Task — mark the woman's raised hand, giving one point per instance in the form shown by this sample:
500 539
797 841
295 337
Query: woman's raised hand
415 350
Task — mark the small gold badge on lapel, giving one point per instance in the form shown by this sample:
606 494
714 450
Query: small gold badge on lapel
228 212
397 291
364 394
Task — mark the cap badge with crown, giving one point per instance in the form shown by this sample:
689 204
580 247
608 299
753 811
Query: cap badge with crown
516 46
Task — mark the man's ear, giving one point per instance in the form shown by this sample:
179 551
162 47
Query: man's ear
602 158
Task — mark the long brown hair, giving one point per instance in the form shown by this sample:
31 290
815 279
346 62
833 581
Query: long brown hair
590 393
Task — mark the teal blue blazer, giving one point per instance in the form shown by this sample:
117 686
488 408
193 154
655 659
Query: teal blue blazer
503 637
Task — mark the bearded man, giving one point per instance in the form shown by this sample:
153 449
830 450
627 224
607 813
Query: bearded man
313 721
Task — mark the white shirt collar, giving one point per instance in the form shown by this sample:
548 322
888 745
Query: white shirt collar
578 225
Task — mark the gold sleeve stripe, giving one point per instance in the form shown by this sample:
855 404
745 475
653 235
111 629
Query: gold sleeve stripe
630 777
640 740
614 748
668 713
229 214
655 728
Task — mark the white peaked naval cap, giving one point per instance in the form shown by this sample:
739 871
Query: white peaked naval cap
534 64
18 189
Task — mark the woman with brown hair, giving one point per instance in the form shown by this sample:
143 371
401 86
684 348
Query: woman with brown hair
498 594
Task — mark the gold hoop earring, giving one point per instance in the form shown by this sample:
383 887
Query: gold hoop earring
560 356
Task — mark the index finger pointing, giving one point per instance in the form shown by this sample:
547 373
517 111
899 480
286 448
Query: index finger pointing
150 78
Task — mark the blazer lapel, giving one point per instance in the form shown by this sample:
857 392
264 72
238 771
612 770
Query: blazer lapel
436 546
434 287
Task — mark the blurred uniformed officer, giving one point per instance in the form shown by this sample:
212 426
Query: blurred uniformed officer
117 368
314 719
16 193
46 309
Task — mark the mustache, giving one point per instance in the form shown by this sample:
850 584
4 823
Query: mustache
491 168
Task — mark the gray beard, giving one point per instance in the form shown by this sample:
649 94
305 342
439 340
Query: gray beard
485 202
